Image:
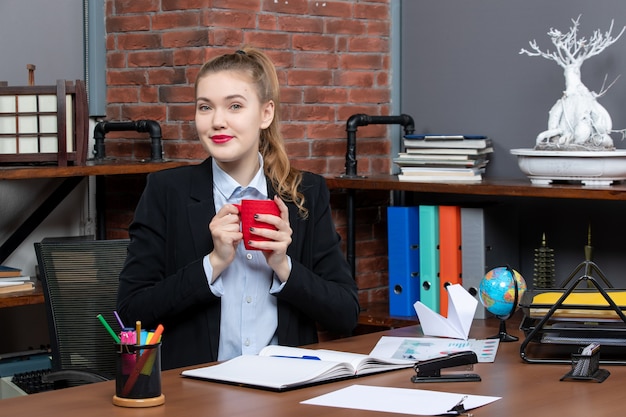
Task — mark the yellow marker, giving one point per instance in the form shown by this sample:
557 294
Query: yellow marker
138 332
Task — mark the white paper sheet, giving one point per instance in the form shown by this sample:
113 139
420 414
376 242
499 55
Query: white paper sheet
461 310
398 400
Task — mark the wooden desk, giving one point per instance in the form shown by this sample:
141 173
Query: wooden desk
526 390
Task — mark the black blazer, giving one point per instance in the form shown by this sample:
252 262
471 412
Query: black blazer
163 280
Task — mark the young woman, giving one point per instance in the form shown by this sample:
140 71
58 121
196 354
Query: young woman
187 267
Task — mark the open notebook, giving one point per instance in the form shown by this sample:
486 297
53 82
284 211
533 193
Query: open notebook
280 367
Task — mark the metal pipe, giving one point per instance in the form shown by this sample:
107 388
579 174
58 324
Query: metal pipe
357 120
152 127
352 125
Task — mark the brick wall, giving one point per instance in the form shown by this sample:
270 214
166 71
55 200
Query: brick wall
333 60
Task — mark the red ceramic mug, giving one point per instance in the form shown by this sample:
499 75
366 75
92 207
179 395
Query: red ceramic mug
247 210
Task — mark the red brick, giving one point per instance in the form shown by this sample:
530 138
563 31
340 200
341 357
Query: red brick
148 94
141 112
184 4
254 5
125 77
317 166
116 60
316 60
368 45
308 24
175 20
369 95
295 7
309 77
267 22
293 131
329 148
361 61
313 42
226 37
150 59
356 78
187 57
297 149
267 40
185 38
378 28
370 10
135 6
185 150
130 41
325 95
182 112
232 19
166 76
176 94
327 131
127 23
346 27
313 113
122 94
335 8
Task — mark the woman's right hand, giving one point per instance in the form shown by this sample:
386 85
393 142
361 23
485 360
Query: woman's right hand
226 233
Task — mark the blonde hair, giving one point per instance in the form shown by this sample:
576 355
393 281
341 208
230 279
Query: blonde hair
261 71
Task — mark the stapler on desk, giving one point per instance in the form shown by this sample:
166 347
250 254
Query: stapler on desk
430 370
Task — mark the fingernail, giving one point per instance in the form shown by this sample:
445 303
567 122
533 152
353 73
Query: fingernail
252 229
256 216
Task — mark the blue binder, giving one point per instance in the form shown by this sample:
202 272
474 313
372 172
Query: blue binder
403 250
429 256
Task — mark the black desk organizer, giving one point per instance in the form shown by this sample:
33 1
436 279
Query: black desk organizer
586 368
573 333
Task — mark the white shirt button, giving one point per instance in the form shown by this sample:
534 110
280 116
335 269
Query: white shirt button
247 342
248 299
249 256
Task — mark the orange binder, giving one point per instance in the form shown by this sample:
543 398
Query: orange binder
450 261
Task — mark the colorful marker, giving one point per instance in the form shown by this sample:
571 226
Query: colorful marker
108 328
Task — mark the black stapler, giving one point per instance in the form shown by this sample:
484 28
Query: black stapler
430 370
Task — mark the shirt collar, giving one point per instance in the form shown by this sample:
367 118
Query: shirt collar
227 186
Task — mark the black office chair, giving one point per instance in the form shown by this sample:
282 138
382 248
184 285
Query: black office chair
79 279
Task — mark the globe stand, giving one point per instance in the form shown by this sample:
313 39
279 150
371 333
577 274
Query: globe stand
502 334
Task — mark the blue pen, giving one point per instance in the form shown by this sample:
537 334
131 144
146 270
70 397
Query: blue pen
314 358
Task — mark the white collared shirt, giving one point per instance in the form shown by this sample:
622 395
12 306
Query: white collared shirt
249 315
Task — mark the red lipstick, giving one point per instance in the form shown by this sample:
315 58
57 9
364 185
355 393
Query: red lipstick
221 138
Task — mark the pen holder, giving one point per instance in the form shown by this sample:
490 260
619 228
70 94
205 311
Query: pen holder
586 368
138 376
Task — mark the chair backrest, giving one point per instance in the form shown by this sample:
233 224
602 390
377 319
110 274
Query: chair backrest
80 278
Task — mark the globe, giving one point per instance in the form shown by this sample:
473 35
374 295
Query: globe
497 290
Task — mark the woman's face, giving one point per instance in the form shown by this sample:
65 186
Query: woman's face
230 117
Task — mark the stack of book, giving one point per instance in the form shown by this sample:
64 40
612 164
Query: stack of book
444 158
12 280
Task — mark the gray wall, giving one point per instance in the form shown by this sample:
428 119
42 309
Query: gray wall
462 71
48 34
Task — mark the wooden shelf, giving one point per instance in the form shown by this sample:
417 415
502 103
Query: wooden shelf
378 314
499 188
108 166
34 296
105 167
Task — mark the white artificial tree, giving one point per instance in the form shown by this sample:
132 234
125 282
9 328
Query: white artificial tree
576 121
